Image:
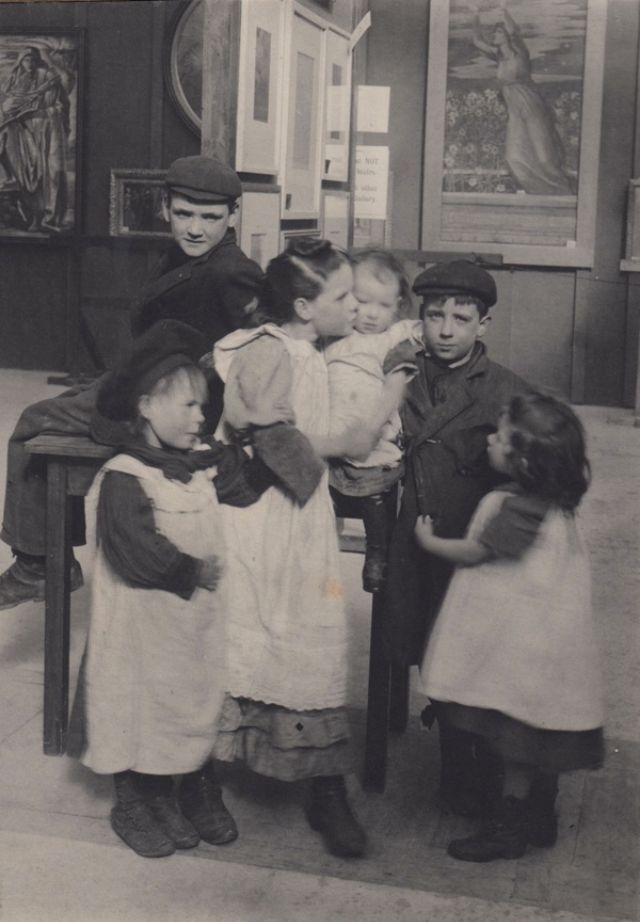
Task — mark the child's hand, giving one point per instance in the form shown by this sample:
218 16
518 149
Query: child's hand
424 530
210 572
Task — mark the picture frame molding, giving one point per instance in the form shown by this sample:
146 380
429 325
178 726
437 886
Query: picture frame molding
118 178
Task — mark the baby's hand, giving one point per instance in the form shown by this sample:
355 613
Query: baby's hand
424 529
210 572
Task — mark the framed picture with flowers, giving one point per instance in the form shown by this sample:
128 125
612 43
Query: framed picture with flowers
514 98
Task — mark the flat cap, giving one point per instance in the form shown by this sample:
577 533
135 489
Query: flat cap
457 277
203 179
164 347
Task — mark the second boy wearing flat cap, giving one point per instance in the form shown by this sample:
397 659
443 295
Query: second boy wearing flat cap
450 407
204 280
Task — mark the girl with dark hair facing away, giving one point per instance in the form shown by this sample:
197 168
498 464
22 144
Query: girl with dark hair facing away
513 655
287 629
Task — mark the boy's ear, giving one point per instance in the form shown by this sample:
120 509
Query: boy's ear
233 217
303 309
143 406
484 326
165 207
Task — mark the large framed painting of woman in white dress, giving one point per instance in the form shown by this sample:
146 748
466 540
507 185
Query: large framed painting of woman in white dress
512 138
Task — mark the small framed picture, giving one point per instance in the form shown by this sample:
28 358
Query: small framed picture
135 204
260 86
259 230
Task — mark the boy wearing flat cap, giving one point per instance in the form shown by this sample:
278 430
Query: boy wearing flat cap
450 407
205 281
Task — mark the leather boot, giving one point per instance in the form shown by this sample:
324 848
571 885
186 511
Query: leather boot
542 822
133 821
159 794
200 800
329 813
503 836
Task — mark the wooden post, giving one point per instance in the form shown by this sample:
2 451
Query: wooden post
221 40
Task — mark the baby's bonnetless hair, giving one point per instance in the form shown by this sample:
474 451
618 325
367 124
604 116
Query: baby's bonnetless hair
382 263
548 452
300 272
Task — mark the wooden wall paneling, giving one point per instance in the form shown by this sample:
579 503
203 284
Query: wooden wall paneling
603 301
220 78
542 328
33 306
397 57
498 336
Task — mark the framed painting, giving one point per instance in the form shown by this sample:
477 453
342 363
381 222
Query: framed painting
514 98
259 231
260 86
135 204
40 108
303 122
183 62
337 107
292 233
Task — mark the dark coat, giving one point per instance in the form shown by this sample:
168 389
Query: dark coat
447 474
216 294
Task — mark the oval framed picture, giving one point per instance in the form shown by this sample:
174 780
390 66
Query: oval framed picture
183 62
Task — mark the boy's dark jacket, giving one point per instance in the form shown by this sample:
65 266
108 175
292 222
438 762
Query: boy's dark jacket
447 474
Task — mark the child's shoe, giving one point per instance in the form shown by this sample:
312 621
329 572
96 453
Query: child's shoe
200 800
135 824
329 813
503 836
169 817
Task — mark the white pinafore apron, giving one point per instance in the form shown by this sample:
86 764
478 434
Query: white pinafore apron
154 677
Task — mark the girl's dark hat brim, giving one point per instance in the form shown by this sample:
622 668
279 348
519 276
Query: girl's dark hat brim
161 349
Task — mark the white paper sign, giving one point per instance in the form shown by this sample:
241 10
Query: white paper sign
372 179
373 108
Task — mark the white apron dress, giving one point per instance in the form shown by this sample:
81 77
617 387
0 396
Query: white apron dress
154 671
287 626
517 635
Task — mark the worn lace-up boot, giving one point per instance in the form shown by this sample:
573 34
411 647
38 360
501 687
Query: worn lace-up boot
200 800
502 836
329 813
159 794
133 820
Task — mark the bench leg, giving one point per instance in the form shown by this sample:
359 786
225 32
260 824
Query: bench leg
399 704
56 630
375 765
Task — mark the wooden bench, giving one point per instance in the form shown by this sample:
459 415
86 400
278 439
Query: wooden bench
71 464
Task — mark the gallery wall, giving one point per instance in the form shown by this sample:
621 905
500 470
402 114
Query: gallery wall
126 120
573 330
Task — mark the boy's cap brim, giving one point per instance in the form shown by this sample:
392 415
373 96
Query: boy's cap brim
459 277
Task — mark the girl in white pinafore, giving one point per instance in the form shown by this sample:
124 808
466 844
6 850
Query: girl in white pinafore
287 631
513 655
152 682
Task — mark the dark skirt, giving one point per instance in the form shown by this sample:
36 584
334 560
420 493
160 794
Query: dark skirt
550 751
284 744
